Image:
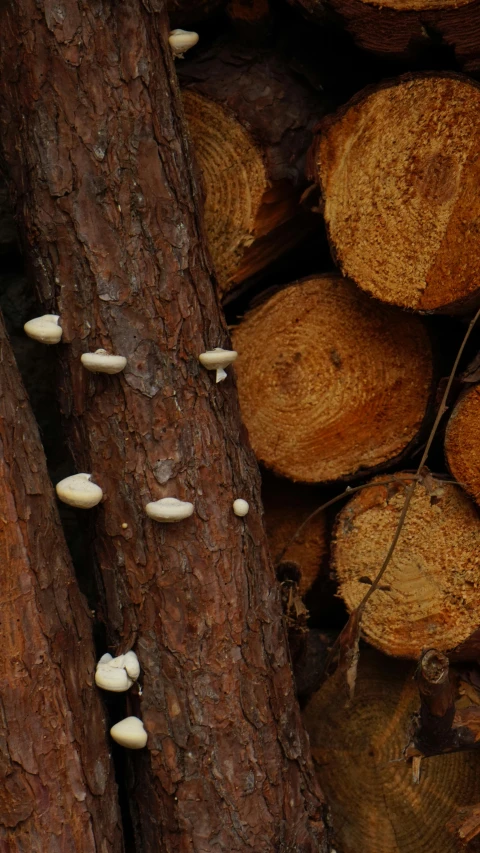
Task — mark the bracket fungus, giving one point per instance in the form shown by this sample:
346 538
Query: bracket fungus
169 509
129 732
218 359
240 507
117 674
102 362
78 491
181 41
45 329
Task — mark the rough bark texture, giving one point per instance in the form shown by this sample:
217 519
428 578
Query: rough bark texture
397 168
430 593
329 381
93 132
57 790
251 125
358 748
403 30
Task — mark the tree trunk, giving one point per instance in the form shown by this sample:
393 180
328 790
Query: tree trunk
97 151
399 30
57 790
429 596
358 749
398 167
251 125
317 362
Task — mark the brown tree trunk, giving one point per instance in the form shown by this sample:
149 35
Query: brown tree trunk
397 168
428 596
317 362
97 151
57 790
251 124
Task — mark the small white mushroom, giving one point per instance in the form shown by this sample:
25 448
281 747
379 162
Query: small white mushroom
182 40
45 329
102 362
218 359
117 674
130 733
169 509
78 491
240 507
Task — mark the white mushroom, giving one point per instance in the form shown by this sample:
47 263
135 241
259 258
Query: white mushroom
240 507
117 674
132 665
218 359
169 509
44 329
182 40
78 491
130 733
102 362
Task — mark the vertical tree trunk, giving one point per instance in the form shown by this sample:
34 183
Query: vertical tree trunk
57 791
97 151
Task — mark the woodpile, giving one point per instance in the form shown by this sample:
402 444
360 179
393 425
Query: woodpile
305 632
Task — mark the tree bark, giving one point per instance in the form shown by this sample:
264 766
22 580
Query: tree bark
97 151
57 788
397 167
251 124
429 595
317 362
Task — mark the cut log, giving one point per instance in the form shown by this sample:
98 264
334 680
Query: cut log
358 748
97 149
287 507
57 786
405 29
462 442
329 382
429 595
250 121
398 169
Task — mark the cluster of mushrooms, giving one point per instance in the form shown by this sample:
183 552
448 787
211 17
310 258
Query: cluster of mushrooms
117 674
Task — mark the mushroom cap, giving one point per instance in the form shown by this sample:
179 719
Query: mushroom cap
213 359
181 40
131 665
240 507
112 678
102 362
169 509
117 674
78 491
44 329
130 733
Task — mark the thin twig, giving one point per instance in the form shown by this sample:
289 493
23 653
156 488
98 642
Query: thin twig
408 497
348 491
